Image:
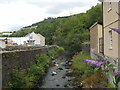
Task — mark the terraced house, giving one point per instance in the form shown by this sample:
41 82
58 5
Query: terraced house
111 31
111 27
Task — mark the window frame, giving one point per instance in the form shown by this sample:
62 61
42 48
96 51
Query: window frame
110 40
110 6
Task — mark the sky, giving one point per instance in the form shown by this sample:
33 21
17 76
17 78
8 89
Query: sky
15 14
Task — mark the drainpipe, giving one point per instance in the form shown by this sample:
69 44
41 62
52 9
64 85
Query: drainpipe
103 28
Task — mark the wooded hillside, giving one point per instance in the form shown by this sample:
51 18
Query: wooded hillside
69 32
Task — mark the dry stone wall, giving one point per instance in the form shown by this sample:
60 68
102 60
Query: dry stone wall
19 59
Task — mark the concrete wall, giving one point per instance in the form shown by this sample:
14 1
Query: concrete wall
110 20
19 60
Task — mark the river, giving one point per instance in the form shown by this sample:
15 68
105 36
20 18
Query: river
56 75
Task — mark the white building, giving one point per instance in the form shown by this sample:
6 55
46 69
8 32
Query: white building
31 39
38 39
2 43
6 33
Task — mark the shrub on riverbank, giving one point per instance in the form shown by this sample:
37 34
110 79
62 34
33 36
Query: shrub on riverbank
80 68
28 78
89 76
55 52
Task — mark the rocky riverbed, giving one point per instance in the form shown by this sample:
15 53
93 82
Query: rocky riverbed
56 75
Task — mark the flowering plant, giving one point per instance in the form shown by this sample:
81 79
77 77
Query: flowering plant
109 67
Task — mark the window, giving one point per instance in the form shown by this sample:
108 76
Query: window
110 38
31 37
110 6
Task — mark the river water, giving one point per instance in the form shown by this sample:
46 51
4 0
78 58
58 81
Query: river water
56 75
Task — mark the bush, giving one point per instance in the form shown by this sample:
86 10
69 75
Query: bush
55 52
59 50
79 65
17 79
43 60
91 76
20 79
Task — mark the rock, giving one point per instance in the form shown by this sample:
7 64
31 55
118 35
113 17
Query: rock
65 85
56 64
57 85
63 77
53 73
80 85
69 80
70 63
59 68
62 63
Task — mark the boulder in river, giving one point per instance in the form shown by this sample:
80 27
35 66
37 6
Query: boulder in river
53 73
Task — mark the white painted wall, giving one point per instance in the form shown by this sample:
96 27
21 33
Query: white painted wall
2 44
39 39
18 40
6 33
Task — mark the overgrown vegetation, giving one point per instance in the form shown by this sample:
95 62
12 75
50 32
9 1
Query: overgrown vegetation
81 68
69 32
52 53
89 76
28 78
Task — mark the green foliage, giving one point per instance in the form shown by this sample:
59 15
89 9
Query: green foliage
35 70
80 67
21 33
91 76
117 80
17 79
69 32
110 86
42 60
29 78
55 52
59 50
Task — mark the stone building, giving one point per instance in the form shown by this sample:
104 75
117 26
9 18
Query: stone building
110 34
96 39
111 19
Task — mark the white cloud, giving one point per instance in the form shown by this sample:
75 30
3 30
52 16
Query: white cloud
15 14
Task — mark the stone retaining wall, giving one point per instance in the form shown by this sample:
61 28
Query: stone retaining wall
19 59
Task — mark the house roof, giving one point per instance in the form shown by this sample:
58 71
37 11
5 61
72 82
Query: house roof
36 34
95 24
